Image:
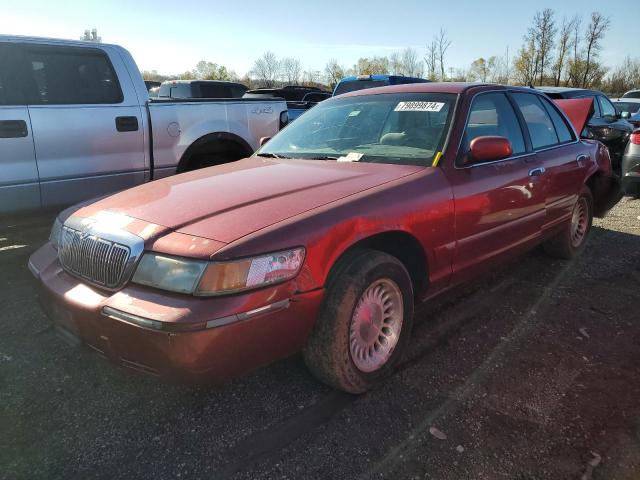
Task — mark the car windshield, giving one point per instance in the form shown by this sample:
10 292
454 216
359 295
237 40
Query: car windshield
389 128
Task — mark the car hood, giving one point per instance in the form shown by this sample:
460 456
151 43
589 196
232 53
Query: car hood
226 202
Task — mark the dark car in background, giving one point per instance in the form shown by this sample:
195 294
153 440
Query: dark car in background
632 108
201 89
632 94
299 98
606 124
360 82
152 84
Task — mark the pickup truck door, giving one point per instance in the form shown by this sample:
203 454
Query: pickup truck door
87 122
499 205
19 189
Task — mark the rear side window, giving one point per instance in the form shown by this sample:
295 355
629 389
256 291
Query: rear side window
212 90
11 83
562 129
608 110
70 75
541 128
491 114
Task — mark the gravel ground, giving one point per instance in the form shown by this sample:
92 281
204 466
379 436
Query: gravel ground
529 373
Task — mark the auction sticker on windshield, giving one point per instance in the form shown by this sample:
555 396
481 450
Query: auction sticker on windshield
419 107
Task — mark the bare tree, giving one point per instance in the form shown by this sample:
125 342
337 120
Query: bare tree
431 60
443 45
334 72
543 31
411 65
395 63
290 70
564 44
594 35
266 69
526 63
482 69
575 63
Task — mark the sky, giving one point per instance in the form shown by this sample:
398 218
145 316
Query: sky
172 36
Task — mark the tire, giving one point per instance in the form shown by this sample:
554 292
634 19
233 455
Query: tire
572 239
353 313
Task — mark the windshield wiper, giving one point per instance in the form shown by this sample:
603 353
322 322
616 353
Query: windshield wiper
271 155
322 157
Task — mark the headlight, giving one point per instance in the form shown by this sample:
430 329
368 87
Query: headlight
56 231
217 278
169 273
245 274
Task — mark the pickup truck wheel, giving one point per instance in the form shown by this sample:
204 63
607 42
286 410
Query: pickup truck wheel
364 323
573 238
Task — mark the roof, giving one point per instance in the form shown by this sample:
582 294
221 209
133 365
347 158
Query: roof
353 78
228 82
431 87
54 41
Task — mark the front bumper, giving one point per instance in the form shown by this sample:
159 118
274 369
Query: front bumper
189 339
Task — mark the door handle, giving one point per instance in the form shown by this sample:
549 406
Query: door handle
535 172
127 124
13 129
581 158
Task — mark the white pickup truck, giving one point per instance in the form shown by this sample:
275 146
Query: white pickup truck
76 122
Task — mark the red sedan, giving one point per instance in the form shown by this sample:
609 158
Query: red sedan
327 237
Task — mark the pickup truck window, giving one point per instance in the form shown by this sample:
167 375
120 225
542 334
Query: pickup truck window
10 78
70 75
491 114
390 128
208 90
541 129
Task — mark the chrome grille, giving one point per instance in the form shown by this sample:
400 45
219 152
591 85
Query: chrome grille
98 260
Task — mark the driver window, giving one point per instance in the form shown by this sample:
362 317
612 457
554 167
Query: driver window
491 114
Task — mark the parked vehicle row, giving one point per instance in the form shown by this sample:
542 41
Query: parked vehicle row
325 239
76 122
360 82
632 108
605 125
299 98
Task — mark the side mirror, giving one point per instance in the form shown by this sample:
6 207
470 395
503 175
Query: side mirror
488 149
264 140
625 115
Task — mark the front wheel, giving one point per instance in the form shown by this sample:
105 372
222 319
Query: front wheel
365 321
573 238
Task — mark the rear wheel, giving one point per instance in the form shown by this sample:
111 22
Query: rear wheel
364 324
573 238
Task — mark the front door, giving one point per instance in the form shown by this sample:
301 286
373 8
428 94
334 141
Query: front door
19 189
500 205
86 119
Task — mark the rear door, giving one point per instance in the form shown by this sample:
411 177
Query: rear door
563 158
499 205
86 119
19 189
